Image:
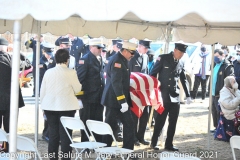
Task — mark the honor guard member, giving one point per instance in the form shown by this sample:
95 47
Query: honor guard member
139 63
169 70
47 61
116 94
114 50
90 75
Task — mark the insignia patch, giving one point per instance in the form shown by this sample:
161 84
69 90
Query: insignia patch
81 61
159 58
117 65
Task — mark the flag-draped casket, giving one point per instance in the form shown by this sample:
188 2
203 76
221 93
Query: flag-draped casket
144 91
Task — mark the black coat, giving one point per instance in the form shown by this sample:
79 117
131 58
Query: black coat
236 65
168 74
225 70
33 44
90 75
135 64
76 49
5 80
117 87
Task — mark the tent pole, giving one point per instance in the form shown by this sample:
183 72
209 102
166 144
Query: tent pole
14 89
37 82
210 98
169 29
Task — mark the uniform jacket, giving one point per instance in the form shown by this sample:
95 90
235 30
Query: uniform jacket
59 86
117 89
33 44
229 102
236 65
5 80
76 49
90 75
169 73
135 64
225 70
109 54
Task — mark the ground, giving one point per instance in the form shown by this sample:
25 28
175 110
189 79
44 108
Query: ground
191 134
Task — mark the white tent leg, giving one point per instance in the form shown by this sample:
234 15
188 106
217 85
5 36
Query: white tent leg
210 98
37 82
14 88
169 29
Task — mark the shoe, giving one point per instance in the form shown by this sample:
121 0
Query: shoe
154 148
119 139
182 102
45 138
136 143
171 148
144 142
33 95
213 131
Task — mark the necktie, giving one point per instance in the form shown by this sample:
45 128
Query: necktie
99 59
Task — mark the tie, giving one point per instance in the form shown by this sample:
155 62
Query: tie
99 59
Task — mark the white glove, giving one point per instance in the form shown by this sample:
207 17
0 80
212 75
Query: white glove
80 103
124 107
189 100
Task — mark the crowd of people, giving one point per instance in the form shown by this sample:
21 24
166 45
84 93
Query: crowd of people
95 81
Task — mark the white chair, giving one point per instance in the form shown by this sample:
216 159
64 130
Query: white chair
75 123
26 144
104 129
234 143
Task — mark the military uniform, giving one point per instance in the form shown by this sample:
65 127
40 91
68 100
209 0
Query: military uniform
90 75
139 63
117 92
169 70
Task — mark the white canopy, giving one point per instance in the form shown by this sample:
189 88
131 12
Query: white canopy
200 20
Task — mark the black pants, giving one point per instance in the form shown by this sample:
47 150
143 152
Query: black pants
4 118
215 111
45 131
93 111
139 134
57 132
128 129
172 110
197 82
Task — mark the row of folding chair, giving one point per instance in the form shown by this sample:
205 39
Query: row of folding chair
23 144
97 127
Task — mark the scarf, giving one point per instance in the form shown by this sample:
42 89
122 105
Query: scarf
203 70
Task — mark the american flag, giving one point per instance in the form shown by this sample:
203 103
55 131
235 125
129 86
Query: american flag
144 91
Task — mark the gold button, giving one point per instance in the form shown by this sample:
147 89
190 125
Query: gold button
168 85
169 78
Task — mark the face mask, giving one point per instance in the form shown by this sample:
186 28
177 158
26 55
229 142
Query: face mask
203 49
235 85
68 49
150 58
238 58
217 60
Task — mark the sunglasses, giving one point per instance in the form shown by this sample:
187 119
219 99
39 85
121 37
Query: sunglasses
131 52
98 47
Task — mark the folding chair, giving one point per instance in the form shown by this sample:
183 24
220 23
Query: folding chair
174 156
75 123
104 129
234 143
26 144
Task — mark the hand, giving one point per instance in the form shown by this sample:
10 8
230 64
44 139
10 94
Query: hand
189 100
80 103
124 107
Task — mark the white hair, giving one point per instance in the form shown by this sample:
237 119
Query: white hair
3 48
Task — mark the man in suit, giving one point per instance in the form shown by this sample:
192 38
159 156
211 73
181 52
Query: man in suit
139 63
169 70
116 94
90 75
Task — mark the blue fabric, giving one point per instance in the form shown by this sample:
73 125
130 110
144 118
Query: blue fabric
225 129
215 74
150 66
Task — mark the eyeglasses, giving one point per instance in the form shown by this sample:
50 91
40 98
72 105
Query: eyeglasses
98 47
131 52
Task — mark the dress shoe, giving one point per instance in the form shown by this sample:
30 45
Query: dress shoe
144 142
154 148
119 139
136 143
171 148
33 95
213 131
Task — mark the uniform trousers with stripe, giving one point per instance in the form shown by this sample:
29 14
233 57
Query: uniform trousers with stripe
140 128
172 111
128 129
57 133
92 111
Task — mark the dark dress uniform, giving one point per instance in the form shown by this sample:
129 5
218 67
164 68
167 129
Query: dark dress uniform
116 92
136 65
169 71
90 75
